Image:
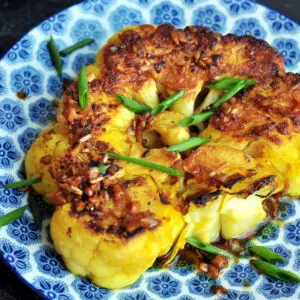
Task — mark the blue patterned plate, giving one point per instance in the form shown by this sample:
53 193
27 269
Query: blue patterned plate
27 67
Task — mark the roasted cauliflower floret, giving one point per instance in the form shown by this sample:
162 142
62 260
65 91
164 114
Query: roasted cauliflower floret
204 222
114 115
264 124
118 139
284 157
240 216
186 105
55 141
114 257
50 144
147 93
166 125
158 156
167 186
227 192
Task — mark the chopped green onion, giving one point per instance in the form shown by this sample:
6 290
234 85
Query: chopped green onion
233 84
244 83
75 47
195 119
167 102
146 163
228 83
133 105
267 254
17 184
83 88
55 57
12 216
274 271
188 144
103 169
208 248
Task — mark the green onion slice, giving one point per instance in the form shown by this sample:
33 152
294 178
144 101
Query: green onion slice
17 184
195 119
103 169
242 84
133 105
228 83
83 88
234 85
12 216
75 47
188 144
146 163
167 102
55 57
267 254
274 271
208 248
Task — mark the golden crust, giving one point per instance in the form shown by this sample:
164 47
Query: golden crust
175 59
266 111
178 59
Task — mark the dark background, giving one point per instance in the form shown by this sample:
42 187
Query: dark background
19 16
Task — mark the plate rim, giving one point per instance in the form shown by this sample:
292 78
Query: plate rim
2 256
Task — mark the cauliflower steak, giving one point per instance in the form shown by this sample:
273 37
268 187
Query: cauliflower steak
113 219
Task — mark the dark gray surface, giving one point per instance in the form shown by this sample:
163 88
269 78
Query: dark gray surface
290 8
19 16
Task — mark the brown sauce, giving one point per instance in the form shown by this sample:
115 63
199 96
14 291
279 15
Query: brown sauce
205 262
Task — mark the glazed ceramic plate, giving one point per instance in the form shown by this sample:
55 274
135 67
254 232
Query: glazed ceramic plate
27 68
